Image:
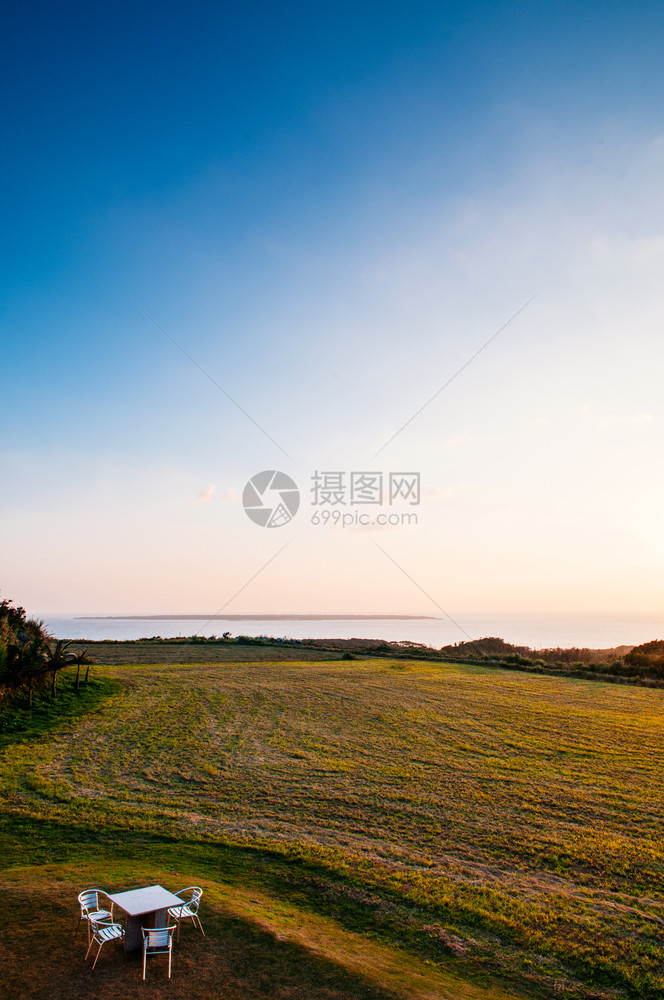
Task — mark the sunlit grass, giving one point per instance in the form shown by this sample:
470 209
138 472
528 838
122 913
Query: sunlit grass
501 825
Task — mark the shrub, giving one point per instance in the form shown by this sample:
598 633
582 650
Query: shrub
648 658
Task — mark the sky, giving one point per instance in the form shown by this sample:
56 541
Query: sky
348 238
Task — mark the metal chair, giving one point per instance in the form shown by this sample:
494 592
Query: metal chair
189 908
101 933
158 941
92 908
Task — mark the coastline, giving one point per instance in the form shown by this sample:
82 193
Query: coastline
534 630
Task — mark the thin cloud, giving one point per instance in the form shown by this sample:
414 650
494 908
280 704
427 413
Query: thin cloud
205 495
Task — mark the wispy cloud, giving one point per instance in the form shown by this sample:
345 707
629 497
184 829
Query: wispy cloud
205 495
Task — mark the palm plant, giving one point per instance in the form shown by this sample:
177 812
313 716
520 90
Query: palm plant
27 663
3 665
81 660
57 658
25 654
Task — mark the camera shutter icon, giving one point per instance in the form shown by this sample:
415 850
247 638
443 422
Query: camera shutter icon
271 499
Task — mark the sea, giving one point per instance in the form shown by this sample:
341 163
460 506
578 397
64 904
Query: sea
535 630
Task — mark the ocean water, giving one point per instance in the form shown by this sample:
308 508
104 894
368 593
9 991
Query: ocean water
536 631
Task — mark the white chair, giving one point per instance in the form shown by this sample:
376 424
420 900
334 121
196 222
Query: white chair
189 908
101 933
158 941
94 905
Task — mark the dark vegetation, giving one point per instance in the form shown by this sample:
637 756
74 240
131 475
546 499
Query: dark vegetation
30 658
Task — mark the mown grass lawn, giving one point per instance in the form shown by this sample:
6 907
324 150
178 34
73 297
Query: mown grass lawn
502 829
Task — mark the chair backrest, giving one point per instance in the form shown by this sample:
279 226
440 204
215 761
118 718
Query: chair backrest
157 937
194 898
89 899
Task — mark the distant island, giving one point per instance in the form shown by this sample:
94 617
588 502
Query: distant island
255 618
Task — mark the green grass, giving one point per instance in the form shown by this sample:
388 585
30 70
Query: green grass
501 828
18 721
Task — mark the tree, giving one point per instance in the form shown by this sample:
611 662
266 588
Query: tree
27 652
81 660
649 657
56 659
22 649
31 664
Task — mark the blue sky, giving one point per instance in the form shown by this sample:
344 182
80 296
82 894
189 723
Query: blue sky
331 208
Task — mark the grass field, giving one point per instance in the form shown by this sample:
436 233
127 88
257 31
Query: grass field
363 829
147 651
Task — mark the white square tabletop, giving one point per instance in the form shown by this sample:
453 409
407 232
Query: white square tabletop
147 900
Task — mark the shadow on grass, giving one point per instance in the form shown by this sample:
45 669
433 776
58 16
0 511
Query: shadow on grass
236 960
127 858
18 722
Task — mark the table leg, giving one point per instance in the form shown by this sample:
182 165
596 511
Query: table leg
133 935
133 932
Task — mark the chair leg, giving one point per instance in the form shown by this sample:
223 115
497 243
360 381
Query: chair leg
170 952
145 955
88 951
200 925
95 961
